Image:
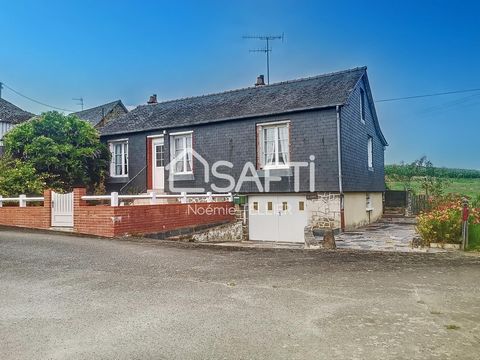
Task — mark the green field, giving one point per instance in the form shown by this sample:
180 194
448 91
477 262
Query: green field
468 187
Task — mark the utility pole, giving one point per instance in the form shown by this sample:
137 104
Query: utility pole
267 49
80 101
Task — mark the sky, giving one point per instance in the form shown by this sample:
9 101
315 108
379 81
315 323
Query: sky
54 51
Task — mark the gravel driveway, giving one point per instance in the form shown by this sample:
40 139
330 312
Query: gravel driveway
66 297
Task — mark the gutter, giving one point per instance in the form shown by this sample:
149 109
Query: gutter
340 180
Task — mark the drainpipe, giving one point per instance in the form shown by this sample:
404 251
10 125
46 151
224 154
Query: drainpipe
340 181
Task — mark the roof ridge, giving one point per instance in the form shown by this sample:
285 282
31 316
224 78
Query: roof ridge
260 87
98 106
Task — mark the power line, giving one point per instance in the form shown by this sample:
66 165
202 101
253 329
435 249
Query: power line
429 95
35 101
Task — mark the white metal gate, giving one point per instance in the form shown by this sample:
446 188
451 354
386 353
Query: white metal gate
62 209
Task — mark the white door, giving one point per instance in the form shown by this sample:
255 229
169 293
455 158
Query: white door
62 209
277 217
158 165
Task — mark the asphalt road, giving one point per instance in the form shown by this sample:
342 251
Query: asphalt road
64 297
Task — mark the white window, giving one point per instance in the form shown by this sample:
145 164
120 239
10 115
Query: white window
274 145
4 127
369 202
362 105
181 146
119 164
370 152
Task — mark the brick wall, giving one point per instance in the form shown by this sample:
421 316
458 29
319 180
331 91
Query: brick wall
108 221
34 217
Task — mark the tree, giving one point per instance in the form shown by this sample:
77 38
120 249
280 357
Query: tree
19 177
64 150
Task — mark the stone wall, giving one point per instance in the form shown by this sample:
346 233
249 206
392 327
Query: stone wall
324 210
221 233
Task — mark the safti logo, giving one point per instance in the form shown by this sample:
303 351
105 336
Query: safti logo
219 171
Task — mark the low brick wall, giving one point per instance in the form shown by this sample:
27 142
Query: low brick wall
109 221
33 217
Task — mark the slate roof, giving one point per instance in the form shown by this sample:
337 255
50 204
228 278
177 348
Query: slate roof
96 114
13 114
316 92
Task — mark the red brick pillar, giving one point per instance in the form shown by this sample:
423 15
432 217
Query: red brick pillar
78 203
47 204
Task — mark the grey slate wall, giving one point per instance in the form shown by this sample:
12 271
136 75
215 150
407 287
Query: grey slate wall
311 133
354 135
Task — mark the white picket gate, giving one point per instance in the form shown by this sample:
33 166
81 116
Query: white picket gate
62 209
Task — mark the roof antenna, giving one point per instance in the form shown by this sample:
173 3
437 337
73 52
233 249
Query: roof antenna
267 49
80 101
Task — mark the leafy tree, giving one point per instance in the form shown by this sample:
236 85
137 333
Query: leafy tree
19 178
64 150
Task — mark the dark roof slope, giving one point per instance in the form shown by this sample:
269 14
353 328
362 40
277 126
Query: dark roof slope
13 114
96 114
309 93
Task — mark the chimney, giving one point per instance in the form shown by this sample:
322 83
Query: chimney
152 100
260 81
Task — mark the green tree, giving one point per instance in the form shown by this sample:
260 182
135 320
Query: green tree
19 177
64 150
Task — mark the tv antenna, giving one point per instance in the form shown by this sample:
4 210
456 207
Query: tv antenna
80 101
267 50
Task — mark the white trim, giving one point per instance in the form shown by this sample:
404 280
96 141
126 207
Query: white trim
155 136
184 154
362 106
111 145
272 123
181 133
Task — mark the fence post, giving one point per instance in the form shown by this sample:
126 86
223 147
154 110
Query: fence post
114 199
465 225
22 202
209 197
184 197
1 202
153 199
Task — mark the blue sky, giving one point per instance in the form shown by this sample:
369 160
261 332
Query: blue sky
54 51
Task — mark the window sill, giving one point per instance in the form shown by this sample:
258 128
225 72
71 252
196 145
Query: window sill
370 169
118 179
370 209
183 176
283 171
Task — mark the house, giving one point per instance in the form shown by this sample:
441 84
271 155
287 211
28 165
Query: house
315 145
100 115
10 115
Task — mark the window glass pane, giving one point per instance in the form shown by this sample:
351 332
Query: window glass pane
269 206
269 146
255 205
301 205
285 206
159 155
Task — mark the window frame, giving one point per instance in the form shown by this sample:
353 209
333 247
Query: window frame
370 153
184 135
368 202
124 158
261 144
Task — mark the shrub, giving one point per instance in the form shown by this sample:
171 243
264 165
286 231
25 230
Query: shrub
443 223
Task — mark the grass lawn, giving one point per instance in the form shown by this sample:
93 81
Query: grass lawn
474 237
469 187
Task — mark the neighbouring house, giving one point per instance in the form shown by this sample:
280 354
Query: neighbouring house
100 115
329 118
10 115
